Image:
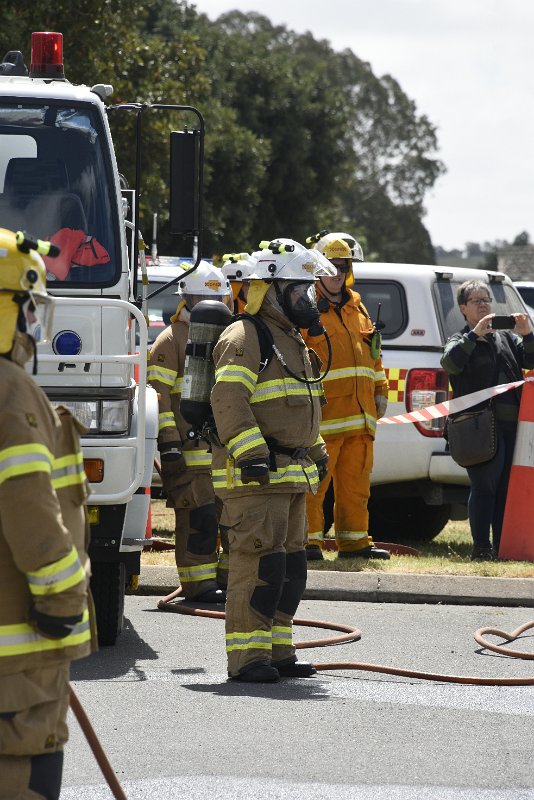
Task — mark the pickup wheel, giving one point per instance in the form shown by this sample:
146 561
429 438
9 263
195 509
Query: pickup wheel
406 519
108 584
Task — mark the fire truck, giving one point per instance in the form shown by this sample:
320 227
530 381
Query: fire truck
59 181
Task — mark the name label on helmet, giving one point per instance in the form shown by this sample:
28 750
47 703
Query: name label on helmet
338 250
308 267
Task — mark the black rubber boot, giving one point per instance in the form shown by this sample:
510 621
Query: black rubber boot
257 673
367 552
210 596
314 553
483 554
291 668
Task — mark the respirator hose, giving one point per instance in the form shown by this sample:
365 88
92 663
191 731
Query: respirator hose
320 330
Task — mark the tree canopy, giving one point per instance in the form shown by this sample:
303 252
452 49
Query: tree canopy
299 137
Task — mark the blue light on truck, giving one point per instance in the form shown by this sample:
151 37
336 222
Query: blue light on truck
67 343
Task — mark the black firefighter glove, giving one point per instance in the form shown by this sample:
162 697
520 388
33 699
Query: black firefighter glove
53 627
172 460
322 468
254 470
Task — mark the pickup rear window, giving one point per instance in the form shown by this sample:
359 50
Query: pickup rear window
506 300
390 298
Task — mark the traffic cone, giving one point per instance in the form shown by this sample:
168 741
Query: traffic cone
148 530
517 537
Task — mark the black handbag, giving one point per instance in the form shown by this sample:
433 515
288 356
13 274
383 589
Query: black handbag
472 436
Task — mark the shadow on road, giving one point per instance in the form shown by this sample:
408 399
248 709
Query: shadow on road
116 661
287 689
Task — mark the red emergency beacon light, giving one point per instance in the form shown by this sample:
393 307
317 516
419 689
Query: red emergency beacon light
47 56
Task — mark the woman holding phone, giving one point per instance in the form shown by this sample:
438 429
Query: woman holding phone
481 355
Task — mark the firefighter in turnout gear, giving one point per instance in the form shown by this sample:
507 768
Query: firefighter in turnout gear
267 417
44 567
237 267
356 392
186 462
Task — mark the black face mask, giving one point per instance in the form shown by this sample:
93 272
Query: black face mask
298 303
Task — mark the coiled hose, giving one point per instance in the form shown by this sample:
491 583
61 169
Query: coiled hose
352 634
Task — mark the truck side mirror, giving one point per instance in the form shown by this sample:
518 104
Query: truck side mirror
184 182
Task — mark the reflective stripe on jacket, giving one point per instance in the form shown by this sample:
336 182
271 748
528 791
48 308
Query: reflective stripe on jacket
355 377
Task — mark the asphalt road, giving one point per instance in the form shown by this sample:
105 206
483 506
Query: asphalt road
173 726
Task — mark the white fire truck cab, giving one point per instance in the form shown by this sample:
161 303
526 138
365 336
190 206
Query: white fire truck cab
59 181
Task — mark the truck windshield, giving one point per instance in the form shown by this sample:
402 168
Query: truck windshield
55 184
505 300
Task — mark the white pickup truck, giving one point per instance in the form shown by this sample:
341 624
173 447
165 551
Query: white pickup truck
416 487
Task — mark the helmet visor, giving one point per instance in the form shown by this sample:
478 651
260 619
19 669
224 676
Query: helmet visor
38 311
322 268
191 300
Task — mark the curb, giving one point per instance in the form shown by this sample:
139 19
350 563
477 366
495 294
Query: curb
389 587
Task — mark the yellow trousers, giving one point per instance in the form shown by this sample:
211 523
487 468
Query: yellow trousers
350 462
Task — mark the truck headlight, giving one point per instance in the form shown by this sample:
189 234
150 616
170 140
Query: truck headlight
101 416
114 416
85 411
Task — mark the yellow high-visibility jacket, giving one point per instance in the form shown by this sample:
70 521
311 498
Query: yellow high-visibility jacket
251 407
355 377
44 569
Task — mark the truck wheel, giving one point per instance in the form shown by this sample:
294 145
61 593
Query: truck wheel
108 583
406 519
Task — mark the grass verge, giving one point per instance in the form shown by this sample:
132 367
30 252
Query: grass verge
447 554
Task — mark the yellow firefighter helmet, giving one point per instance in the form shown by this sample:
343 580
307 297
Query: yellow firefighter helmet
22 289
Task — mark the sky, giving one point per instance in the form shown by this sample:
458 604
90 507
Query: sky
469 67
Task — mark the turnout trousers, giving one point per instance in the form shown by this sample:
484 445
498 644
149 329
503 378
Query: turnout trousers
350 462
33 730
196 532
266 533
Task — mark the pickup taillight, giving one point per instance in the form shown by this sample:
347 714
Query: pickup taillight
426 387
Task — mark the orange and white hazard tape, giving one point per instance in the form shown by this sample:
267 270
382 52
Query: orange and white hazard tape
451 406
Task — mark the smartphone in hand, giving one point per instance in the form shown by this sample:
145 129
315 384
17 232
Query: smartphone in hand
503 323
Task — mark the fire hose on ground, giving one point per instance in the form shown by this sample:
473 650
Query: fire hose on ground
352 634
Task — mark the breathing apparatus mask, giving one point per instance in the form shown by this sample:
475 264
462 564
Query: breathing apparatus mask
298 301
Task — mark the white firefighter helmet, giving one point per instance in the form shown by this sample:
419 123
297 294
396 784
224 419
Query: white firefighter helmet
207 282
336 245
288 260
23 295
237 267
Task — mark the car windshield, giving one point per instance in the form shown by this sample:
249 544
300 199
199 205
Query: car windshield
55 184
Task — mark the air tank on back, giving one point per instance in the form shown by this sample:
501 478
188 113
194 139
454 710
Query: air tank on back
208 320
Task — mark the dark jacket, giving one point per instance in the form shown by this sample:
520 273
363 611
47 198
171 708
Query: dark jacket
475 363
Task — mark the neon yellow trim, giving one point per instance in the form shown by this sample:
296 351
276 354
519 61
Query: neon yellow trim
23 459
58 576
282 635
231 373
244 441
202 572
161 374
294 473
250 640
68 471
285 387
197 458
21 639
356 423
